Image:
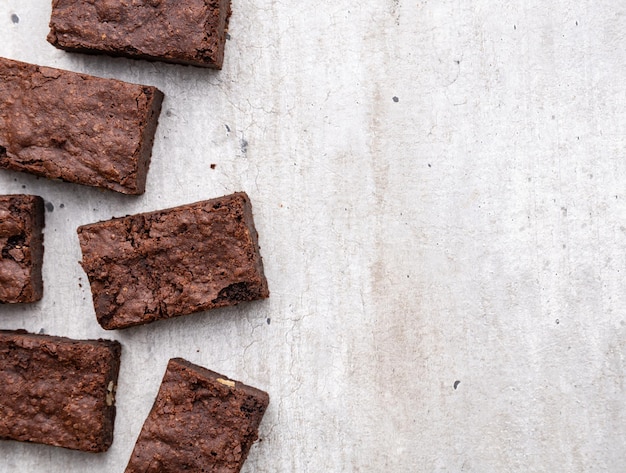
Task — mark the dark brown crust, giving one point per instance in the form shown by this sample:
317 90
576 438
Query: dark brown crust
58 391
21 245
189 32
77 128
173 262
200 422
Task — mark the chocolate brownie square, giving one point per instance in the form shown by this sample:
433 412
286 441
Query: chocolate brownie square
77 128
201 421
173 262
178 31
58 391
21 245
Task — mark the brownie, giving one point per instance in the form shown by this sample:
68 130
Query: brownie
200 422
173 262
179 31
21 244
58 391
78 128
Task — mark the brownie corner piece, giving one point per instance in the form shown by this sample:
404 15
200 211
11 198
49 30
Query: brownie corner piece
177 31
75 127
200 421
58 391
173 262
21 248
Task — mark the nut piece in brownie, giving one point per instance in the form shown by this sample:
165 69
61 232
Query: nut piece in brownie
178 31
77 128
173 262
200 421
21 246
58 391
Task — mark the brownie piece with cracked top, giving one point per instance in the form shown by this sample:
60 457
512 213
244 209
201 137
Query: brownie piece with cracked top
173 262
58 391
189 32
201 421
74 127
21 245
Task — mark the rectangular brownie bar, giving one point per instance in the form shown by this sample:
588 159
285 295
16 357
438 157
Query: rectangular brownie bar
173 262
200 421
21 248
78 128
58 391
178 31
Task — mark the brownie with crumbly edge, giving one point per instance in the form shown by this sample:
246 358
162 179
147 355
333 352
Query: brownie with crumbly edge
58 391
21 248
178 31
200 421
75 127
173 262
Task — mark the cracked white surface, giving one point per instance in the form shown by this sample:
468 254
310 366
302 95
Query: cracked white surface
470 230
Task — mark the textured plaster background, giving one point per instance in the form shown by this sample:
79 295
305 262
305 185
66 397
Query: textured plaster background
440 193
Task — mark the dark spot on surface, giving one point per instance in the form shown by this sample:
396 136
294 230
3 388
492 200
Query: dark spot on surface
564 211
243 143
62 206
514 27
23 186
396 99
168 113
558 321
15 19
577 23
268 321
41 331
213 166
228 36
227 127
430 165
456 384
49 206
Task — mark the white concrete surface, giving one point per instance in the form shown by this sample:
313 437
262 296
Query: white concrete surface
470 232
